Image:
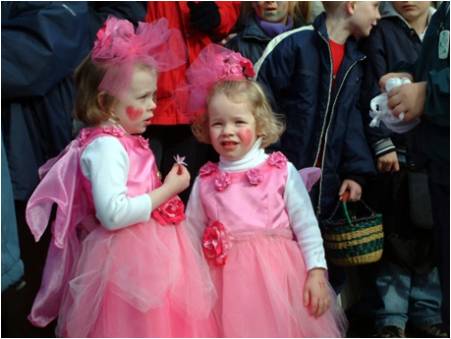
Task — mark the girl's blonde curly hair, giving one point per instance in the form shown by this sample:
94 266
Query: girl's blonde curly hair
269 125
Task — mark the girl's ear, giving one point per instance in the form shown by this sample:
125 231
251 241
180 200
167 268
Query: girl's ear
101 100
104 105
350 7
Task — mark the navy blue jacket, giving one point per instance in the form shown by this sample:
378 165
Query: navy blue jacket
42 44
251 41
432 135
296 71
391 43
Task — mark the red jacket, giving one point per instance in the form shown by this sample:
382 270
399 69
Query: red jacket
168 111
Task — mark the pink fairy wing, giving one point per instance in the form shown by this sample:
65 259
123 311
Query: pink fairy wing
310 175
60 185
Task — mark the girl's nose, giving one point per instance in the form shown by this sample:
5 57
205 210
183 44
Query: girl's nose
228 130
152 105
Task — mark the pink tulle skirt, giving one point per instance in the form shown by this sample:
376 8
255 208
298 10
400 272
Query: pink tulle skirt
260 291
146 280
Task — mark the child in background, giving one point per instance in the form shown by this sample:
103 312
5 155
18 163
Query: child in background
313 76
263 20
404 286
120 263
249 208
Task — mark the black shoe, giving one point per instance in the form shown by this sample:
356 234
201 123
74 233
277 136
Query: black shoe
390 332
431 331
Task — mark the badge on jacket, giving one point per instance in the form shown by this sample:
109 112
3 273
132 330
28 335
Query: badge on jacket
443 44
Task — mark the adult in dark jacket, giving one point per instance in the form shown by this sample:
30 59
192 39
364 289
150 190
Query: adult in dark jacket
428 98
404 285
324 123
42 43
263 20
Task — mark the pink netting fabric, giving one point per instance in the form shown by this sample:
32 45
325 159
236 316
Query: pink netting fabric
214 63
118 48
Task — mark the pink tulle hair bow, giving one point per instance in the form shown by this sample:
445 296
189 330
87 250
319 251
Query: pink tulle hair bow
119 47
214 63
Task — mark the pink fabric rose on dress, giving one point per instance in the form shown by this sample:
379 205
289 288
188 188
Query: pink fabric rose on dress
216 243
83 136
170 213
114 130
222 181
207 169
277 159
143 142
254 176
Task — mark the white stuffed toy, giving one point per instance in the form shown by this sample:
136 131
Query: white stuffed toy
380 111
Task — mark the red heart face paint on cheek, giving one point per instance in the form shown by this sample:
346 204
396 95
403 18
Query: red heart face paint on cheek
246 136
134 113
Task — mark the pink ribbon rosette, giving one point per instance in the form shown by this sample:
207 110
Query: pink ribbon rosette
277 159
170 213
214 63
119 47
216 243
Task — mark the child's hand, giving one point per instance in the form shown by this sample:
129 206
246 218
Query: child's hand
388 162
316 292
355 190
177 179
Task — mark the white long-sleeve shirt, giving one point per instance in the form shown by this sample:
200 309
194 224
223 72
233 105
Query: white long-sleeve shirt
105 164
298 205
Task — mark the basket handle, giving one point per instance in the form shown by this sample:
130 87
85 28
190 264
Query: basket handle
344 199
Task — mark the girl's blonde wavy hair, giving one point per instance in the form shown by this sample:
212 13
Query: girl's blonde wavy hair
269 125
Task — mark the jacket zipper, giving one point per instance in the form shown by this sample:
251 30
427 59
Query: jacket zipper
318 209
328 102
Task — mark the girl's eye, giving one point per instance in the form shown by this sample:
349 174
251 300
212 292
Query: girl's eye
216 124
240 122
147 95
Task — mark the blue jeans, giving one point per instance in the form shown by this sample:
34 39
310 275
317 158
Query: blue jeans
407 296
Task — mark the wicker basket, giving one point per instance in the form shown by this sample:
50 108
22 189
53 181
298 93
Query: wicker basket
356 239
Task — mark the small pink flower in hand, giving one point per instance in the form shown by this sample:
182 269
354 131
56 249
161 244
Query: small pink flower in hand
180 161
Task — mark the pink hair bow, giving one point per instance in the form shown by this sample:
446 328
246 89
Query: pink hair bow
118 48
214 63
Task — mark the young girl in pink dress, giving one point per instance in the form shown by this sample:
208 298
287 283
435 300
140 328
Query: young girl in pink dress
253 215
120 263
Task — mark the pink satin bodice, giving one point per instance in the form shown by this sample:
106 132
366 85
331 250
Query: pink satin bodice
247 200
142 172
